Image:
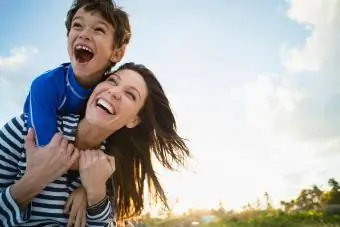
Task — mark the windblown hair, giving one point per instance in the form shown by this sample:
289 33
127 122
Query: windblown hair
133 148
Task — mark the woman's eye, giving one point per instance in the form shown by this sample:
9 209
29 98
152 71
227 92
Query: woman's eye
112 80
131 95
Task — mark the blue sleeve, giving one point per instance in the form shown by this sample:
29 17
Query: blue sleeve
41 107
11 147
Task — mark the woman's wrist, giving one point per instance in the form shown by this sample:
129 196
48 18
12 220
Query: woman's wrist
24 190
99 207
96 195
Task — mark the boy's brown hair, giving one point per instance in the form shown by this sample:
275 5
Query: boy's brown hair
113 14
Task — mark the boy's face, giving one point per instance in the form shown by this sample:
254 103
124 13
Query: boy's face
90 46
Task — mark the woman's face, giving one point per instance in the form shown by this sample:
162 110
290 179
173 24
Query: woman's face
116 102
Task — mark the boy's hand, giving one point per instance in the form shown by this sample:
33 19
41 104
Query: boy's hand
95 168
76 207
51 161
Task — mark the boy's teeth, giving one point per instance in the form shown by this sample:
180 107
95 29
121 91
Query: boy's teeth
84 48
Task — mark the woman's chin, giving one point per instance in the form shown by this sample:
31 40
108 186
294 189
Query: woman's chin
99 116
101 123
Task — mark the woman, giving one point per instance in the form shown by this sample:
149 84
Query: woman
128 115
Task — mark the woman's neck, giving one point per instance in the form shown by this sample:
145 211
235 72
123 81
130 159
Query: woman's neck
90 137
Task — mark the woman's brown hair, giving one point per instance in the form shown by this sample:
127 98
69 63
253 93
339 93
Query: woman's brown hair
133 148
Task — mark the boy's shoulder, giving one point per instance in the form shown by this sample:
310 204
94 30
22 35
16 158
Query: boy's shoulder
58 73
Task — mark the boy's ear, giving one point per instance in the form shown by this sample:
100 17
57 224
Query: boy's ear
118 54
134 122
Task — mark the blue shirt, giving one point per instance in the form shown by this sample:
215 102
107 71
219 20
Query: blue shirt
56 92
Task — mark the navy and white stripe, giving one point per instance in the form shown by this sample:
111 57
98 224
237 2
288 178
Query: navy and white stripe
47 208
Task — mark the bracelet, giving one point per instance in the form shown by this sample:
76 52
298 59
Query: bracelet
98 207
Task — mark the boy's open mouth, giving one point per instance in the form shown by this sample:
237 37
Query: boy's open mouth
83 54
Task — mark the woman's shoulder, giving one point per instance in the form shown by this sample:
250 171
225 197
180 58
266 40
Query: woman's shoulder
68 119
13 132
18 124
16 128
67 125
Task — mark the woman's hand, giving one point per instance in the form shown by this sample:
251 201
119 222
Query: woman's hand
76 207
95 168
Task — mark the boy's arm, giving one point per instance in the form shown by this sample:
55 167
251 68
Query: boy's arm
41 107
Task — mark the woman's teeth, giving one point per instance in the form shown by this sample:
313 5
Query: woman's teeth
106 106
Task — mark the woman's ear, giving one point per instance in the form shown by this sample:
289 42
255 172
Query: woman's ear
134 122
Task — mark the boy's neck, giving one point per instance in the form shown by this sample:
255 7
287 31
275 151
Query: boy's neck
88 82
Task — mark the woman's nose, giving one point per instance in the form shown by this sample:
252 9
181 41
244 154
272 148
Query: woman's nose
115 93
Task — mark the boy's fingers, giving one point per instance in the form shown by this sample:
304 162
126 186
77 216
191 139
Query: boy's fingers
74 157
56 139
68 204
63 144
79 218
30 140
70 149
71 218
112 162
83 220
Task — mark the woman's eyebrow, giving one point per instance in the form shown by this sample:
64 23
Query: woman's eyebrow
130 87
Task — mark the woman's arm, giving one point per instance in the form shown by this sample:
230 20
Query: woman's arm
11 151
80 213
100 213
43 165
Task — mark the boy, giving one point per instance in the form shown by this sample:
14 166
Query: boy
97 35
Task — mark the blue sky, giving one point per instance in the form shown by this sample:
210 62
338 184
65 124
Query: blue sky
252 83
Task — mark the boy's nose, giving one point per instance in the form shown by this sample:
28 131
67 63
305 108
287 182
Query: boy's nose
84 35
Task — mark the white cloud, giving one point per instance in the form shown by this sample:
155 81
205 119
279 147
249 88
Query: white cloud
304 105
18 57
322 46
15 77
317 115
294 118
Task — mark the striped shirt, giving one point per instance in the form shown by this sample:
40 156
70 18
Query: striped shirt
46 209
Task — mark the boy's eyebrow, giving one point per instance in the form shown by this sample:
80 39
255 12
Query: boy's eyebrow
103 23
98 22
78 17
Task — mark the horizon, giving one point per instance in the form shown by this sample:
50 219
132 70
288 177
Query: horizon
253 84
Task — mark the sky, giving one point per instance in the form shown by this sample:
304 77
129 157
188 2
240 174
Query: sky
253 84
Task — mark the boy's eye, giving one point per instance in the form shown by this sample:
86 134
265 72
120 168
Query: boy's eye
76 25
100 30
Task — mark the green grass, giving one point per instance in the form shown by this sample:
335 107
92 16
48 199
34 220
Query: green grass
278 219
262 219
